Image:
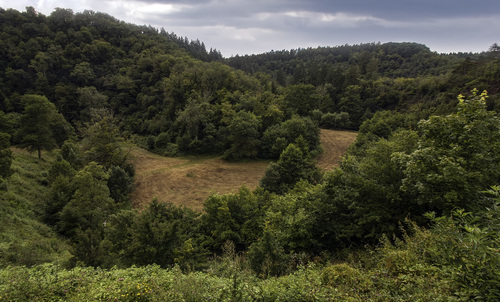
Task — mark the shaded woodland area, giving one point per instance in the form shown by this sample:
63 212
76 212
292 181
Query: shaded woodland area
410 213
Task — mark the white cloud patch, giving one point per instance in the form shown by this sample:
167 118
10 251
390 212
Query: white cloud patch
154 8
142 13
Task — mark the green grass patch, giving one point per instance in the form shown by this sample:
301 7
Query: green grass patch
24 239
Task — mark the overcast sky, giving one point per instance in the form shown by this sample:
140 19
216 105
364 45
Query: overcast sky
256 26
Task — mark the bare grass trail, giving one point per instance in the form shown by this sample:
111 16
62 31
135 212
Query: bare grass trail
189 181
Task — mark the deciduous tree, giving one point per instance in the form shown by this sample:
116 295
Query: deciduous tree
38 124
244 136
292 166
457 156
90 204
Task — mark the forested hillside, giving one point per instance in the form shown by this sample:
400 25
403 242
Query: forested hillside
411 212
363 79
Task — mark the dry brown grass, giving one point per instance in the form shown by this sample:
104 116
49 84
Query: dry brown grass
189 181
335 144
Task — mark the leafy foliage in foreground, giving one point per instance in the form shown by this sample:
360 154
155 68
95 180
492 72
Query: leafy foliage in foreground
413 269
426 265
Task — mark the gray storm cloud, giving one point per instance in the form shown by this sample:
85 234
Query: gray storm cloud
242 27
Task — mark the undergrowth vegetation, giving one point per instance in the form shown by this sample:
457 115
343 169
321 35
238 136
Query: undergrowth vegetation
423 266
25 240
404 271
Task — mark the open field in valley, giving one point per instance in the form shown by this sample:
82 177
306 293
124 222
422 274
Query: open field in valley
189 181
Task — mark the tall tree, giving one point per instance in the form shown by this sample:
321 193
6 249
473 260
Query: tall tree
38 124
101 142
90 204
244 136
85 216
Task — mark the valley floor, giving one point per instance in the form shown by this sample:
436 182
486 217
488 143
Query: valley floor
189 181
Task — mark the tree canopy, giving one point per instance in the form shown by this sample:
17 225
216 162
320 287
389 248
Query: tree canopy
42 127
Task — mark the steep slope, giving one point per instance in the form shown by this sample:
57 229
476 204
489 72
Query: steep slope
24 239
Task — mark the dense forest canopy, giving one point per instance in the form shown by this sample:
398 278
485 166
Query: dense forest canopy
87 85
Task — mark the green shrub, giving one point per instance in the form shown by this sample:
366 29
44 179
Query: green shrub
467 249
345 275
